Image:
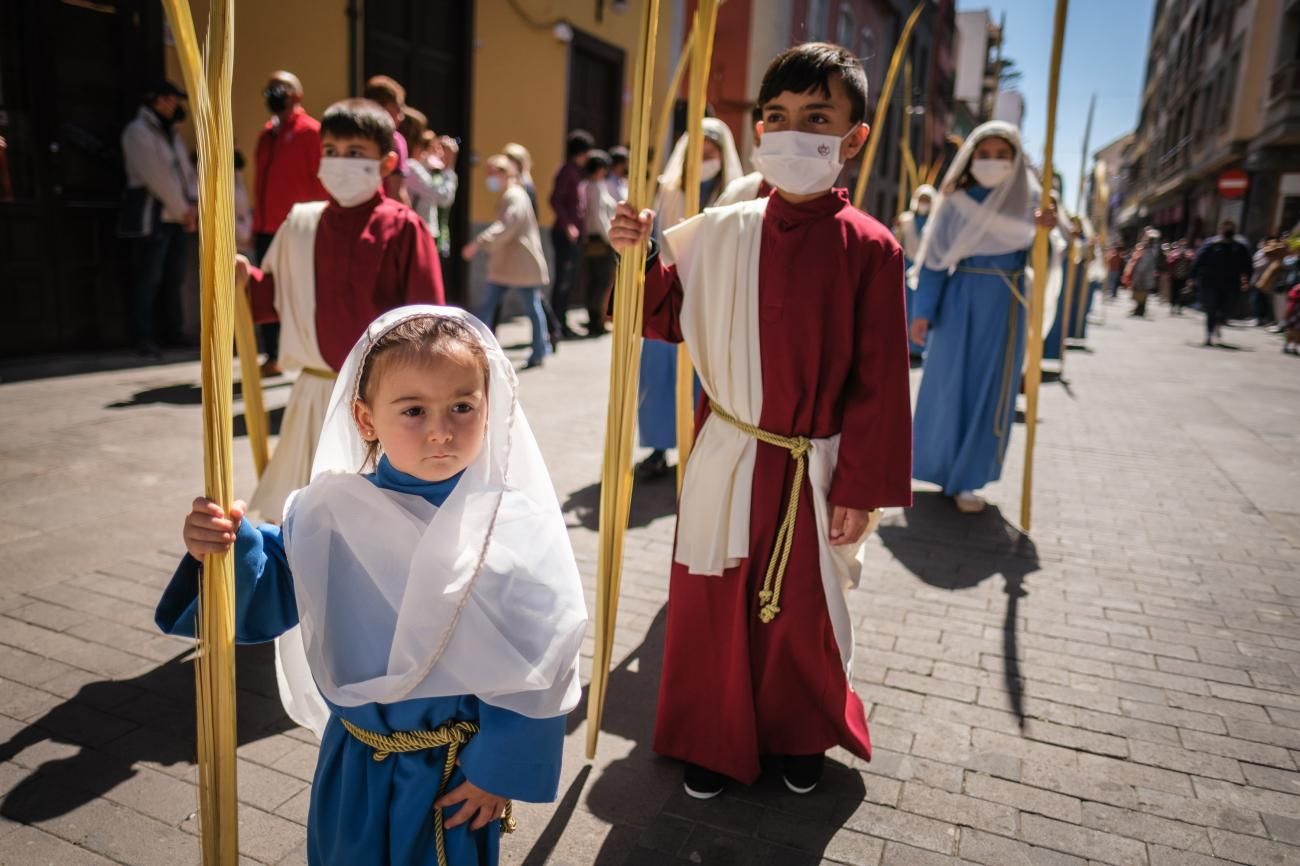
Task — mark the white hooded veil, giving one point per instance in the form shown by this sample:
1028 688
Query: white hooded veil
671 206
399 599
908 236
960 227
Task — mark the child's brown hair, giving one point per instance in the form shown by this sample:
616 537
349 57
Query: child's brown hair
359 118
415 341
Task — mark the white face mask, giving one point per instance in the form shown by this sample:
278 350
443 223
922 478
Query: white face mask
710 168
349 181
801 163
923 208
494 183
990 172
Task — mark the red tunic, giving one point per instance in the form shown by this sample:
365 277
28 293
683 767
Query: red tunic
288 158
833 337
369 259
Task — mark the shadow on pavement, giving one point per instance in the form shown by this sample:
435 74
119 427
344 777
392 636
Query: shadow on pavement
185 394
651 500
118 724
950 550
654 822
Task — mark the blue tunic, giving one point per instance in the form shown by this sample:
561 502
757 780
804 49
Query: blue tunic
913 347
1080 306
365 811
968 391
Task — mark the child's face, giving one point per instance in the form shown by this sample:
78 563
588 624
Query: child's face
995 148
430 416
358 148
817 113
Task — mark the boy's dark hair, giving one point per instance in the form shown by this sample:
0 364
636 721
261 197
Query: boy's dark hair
580 141
618 155
359 118
384 90
809 67
596 160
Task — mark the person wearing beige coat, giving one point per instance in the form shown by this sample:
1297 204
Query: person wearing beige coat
515 259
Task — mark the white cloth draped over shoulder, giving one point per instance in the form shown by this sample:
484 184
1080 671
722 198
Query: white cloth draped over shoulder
291 259
401 600
908 236
717 257
961 227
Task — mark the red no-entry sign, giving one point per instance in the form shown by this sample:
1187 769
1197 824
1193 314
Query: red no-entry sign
1233 183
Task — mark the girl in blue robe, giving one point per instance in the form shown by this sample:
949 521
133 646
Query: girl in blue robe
657 388
971 305
1080 304
366 810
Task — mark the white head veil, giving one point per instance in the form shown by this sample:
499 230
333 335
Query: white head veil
923 190
399 599
671 206
960 227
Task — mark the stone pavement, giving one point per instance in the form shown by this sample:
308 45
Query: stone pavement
1121 689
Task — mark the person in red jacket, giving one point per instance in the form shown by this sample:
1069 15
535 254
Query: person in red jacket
288 158
332 269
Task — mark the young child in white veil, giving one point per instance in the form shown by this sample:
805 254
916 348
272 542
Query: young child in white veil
425 595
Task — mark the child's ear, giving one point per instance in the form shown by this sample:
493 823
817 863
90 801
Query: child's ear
388 164
855 142
364 420
758 131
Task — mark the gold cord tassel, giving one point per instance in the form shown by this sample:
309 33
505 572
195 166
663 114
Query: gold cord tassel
625 359
209 91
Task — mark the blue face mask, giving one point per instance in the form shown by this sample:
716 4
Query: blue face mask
494 183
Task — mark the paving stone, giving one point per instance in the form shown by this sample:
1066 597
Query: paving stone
1024 797
1252 849
1148 828
1082 842
959 809
986 848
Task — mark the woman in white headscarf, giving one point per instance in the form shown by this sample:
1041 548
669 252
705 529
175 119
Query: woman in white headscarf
423 596
973 290
657 409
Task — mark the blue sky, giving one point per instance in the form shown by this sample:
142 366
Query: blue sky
1105 53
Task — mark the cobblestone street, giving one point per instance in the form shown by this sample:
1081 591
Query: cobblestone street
1123 688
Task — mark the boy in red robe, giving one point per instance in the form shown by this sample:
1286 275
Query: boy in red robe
331 270
793 309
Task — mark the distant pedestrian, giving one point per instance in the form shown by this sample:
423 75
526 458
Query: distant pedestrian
159 216
598 260
1179 262
566 233
1141 272
288 160
515 257
1221 271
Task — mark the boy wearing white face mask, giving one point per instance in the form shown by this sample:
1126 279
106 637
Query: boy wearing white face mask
792 307
332 269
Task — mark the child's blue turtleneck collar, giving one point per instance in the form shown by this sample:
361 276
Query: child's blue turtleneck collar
391 478
977 192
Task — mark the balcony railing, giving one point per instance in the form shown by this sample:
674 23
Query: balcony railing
1285 81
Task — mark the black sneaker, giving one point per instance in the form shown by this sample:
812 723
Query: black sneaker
802 773
653 467
703 784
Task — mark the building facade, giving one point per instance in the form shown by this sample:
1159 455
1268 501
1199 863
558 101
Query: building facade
484 71
1222 93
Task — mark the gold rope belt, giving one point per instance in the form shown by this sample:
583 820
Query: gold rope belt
1002 416
798 446
319 373
451 736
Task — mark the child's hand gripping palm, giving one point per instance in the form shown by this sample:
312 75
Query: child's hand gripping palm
208 530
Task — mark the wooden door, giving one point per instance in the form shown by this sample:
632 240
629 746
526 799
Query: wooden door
596 89
70 76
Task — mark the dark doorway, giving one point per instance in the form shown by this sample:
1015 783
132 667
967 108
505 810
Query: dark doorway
71 73
596 89
425 45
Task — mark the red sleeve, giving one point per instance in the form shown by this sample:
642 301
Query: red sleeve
423 273
663 303
261 295
875 461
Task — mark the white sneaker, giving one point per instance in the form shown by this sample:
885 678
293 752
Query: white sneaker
968 502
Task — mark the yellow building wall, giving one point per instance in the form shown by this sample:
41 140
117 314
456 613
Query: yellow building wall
307 37
521 83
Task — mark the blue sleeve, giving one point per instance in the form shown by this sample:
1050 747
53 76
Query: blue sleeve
265 605
929 294
515 756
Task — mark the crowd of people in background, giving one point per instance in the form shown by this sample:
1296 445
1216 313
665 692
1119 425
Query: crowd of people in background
1222 276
